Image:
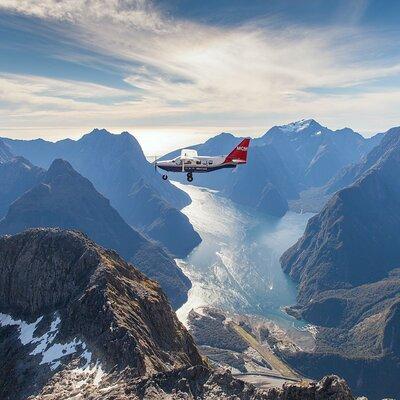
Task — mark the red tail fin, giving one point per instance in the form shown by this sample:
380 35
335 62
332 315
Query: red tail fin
239 153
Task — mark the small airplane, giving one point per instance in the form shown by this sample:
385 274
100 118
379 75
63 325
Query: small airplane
189 161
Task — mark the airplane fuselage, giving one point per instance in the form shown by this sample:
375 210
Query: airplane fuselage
190 162
196 164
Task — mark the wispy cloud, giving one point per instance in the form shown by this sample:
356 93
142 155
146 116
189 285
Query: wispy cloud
248 75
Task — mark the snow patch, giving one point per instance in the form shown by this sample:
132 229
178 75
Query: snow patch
89 370
26 330
46 346
56 351
296 126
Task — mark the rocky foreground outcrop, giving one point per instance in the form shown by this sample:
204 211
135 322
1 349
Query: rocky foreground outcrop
68 304
78 322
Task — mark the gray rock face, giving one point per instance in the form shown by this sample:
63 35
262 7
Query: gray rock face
199 383
66 199
77 321
106 304
117 167
347 266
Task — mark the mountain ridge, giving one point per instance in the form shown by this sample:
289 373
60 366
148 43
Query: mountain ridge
347 266
116 165
110 314
284 162
64 198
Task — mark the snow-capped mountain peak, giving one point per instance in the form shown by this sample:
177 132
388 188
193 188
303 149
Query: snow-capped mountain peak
299 126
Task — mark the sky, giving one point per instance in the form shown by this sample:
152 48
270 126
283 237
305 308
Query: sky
176 72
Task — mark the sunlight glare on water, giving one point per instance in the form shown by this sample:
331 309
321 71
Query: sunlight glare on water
236 267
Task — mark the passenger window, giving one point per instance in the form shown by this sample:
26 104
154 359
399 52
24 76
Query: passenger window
198 162
210 162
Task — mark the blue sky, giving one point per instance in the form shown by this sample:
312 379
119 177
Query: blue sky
175 72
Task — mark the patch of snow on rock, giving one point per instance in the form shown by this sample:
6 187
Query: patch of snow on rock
26 330
296 126
45 346
89 371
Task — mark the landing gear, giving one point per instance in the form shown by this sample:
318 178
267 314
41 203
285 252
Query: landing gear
165 177
189 176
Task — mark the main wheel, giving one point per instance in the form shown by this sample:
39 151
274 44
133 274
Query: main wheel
165 177
189 177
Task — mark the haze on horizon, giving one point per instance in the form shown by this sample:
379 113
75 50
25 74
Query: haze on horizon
176 72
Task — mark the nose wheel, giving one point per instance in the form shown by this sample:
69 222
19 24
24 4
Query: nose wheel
165 177
189 177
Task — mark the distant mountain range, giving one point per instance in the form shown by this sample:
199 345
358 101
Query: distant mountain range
347 265
117 167
63 198
282 163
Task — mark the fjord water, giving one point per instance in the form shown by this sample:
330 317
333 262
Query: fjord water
236 267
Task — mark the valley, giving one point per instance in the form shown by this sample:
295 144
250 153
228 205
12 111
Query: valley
237 279
236 266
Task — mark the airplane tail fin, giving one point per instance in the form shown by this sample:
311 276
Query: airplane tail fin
239 153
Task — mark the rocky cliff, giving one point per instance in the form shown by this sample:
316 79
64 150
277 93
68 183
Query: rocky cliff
68 306
117 167
77 321
66 199
346 264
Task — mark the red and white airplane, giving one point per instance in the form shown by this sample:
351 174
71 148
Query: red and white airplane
189 161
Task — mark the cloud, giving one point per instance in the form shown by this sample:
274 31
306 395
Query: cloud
186 72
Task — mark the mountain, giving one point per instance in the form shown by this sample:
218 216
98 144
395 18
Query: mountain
286 161
313 153
117 167
77 321
17 175
347 265
355 232
66 199
5 153
351 173
262 184
87 312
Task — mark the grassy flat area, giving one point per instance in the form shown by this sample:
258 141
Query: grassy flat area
276 363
